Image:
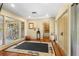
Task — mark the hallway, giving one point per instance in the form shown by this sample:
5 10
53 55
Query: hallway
39 29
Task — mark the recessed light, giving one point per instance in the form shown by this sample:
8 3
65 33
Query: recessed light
47 15
29 16
12 5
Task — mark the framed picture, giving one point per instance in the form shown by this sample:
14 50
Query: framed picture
31 25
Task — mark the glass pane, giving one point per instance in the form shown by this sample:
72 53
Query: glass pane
1 29
22 29
17 30
12 30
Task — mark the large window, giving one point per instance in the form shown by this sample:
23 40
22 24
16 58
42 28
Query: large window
12 30
22 29
1 30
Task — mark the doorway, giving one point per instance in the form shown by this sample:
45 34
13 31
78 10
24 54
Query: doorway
46 31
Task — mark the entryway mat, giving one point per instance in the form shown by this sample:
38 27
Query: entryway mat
41 47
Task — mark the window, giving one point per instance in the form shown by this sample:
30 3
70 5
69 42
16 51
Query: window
12 30
1 30
22 29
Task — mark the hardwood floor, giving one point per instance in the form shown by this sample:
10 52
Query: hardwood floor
5 53
58 51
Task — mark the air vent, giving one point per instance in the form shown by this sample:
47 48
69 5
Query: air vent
34 12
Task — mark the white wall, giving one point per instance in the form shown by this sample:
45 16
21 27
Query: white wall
62 10
77 30
38 23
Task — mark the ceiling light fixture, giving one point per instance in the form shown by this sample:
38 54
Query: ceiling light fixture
12 5
29 16
47 15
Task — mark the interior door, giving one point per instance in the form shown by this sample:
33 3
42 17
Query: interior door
63 32
46 31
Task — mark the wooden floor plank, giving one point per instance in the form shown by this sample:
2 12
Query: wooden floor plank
58 50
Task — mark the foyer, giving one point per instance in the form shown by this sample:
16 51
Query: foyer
37 29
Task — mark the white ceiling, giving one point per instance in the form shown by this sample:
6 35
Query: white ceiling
25 9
